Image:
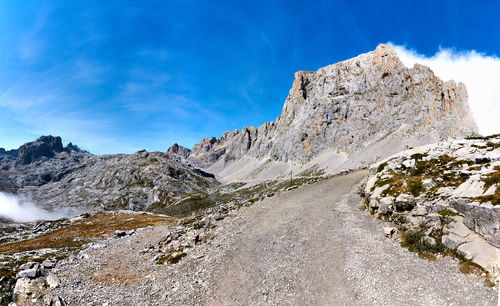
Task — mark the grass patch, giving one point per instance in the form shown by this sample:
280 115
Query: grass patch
171 258
416 186
381 167
414 241
82 231
494 198
418 156
311 172
192 203
492 178
448 213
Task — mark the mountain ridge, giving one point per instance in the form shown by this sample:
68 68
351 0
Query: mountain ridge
347 107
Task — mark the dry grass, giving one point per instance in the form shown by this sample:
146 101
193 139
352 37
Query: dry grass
85 230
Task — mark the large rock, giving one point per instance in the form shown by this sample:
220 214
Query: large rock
484 219
405 202
358 110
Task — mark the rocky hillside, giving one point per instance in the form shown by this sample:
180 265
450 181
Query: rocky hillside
442 197
57 177
344 116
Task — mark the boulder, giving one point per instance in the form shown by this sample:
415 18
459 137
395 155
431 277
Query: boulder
419 211
386 205
405 202
409 163
49 263
483 254
33 272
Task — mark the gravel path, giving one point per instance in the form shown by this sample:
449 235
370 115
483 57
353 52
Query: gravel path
311 245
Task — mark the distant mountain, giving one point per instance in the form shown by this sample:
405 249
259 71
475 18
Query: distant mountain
58 177
344 116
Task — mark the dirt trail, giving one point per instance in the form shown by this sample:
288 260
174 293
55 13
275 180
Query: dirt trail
314 245
311 245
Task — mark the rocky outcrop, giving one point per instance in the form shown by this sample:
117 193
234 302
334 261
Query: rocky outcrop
362 109
448 190
179 150
45 146
11 153
32 281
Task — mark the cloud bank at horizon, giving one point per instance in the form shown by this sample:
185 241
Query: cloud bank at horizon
19 210
479 72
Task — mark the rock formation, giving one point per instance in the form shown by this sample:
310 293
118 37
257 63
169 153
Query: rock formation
359 110
179 150
448 190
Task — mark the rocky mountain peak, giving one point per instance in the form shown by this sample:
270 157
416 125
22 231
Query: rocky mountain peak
44 146
360 110
179 150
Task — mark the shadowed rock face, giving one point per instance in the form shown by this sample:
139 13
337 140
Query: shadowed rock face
45 146
348 107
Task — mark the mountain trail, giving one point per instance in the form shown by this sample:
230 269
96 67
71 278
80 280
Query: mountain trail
311 245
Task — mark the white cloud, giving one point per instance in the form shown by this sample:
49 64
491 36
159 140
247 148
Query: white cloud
479 72
19 210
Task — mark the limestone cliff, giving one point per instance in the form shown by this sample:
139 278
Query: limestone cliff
359 110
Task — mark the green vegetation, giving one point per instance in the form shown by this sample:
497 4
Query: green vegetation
313 171
171 258
191 203
416 186
196 203
448 213
418 156
492 178
489 180
415 242
381 167
400 183
476 137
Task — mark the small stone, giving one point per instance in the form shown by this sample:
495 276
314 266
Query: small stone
48 263
419 211
219 217
389 231
52 280
427 183
429 240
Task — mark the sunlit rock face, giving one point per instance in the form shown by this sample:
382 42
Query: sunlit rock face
371 104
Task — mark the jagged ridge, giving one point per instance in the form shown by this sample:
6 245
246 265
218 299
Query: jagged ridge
357 105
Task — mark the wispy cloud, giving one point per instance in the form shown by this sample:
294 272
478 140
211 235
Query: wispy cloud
478 71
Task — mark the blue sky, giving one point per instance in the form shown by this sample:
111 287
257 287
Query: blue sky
120 76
